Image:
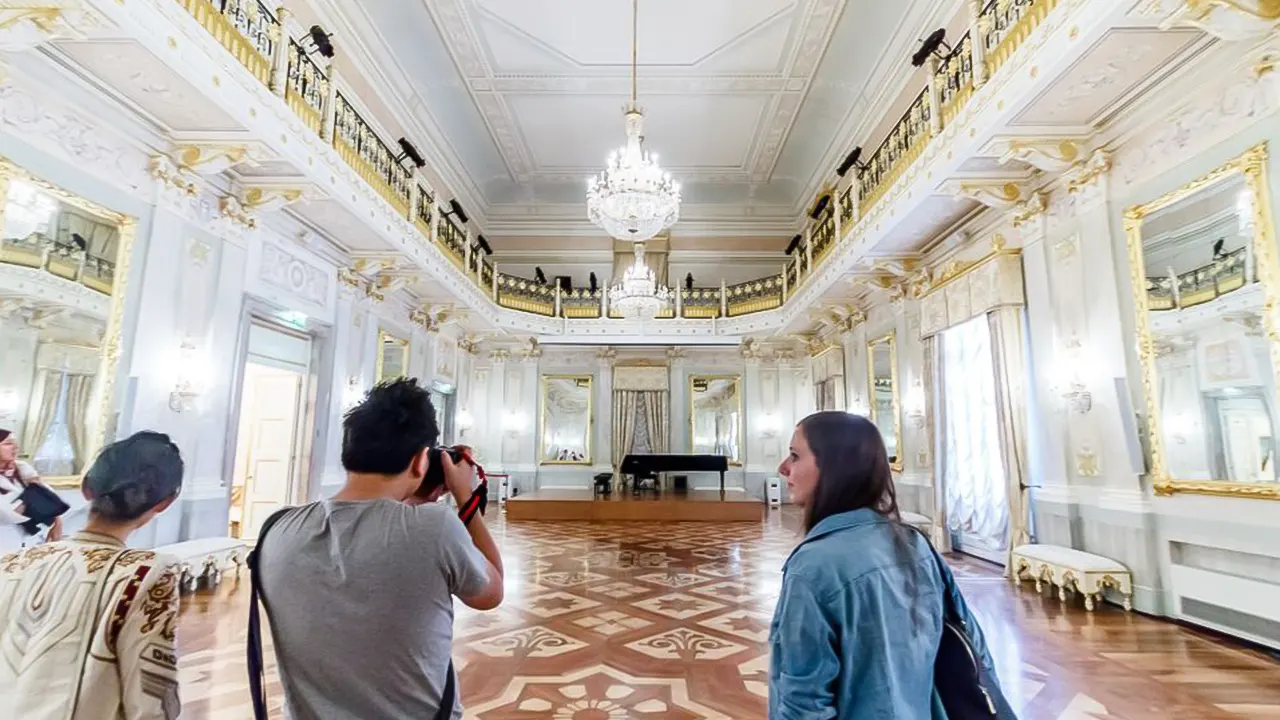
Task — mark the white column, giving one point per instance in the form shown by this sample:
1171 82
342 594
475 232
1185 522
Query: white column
603 409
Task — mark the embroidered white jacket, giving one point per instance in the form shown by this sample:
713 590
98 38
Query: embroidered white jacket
87 632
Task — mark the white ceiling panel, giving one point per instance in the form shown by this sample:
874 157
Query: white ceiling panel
574 134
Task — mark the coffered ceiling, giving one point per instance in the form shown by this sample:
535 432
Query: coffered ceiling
749 103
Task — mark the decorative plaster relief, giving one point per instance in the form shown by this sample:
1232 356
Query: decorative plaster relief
1230 20
30 25
297 276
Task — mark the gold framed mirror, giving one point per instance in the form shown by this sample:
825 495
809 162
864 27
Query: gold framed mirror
1203 265
885 409
565 420
715 416
64 263
393 357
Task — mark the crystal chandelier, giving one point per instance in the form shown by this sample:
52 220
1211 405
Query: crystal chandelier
633 199
638 296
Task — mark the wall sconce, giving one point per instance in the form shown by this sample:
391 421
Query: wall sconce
464 420
190 382
1078 398
770 425
913 403
513 422
352 394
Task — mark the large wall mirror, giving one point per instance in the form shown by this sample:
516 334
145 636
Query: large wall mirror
1204 272
882 379
63 265
393 357
715 416
565 422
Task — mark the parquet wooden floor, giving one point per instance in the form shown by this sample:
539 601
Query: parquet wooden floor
670 621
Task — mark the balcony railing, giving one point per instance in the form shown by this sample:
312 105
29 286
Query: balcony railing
308 88
1203 284
364 151
63 259
246 28
955 80
1006 24
252 33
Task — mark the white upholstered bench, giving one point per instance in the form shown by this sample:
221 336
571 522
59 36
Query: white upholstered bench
917 521
205 559
1072 570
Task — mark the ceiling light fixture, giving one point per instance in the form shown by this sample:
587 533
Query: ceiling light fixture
633 199
638 296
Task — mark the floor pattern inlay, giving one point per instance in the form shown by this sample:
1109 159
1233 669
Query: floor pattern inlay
605 622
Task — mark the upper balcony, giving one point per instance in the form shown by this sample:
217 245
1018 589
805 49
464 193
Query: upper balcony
956 140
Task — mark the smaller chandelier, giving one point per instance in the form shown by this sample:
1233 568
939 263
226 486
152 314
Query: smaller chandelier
638 296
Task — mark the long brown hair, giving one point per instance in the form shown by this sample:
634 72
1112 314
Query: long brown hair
853 467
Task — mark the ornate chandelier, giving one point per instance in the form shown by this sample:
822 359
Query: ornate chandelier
638 296
633 199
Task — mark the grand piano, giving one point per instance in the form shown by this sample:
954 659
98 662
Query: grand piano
650 466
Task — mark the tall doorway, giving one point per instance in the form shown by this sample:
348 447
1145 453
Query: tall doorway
443 398
275 416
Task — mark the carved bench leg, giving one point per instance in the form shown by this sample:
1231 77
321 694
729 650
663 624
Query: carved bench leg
1088 603
1128 602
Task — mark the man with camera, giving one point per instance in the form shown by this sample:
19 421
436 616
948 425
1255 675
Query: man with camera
358 587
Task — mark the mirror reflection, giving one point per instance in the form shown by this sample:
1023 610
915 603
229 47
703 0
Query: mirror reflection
715 416
1215 382
566 419
393 356
882 378
57 278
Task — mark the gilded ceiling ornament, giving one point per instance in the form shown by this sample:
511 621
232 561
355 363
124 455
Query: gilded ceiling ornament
1085 173
210 158
1046 154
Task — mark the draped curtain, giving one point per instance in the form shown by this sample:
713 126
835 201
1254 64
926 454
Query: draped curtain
626 403
654 404
44 408
1006 325
941 535
974 481
79 396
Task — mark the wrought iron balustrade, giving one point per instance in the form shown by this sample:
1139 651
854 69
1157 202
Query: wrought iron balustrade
307 89
422 213
902 147
246 28
364 151
529 296
754 296
1201 285
846 206
954 80
63 259
823 235
1006 24
453 240
700 303
581 303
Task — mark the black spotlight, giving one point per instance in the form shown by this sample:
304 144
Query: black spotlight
851 161
540 276
794 244
319 42
456 210
821 207
484 245
595 284
409 152
929 46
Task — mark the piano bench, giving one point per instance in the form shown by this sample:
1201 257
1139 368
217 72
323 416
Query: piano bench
603 483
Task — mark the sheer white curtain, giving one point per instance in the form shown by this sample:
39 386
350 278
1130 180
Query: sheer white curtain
976 491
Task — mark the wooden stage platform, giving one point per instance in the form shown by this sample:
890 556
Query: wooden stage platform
694 506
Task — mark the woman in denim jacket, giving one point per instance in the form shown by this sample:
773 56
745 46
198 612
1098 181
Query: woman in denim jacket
859 620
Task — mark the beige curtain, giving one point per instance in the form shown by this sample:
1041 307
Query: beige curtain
1010 367
79 395
934 409
44 407
100 238
625 404
658 416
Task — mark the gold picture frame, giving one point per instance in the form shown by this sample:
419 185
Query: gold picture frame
388 341
1252 166
737 381
582 381
891 340
110 348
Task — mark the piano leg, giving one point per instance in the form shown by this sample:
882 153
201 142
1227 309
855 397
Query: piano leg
722 486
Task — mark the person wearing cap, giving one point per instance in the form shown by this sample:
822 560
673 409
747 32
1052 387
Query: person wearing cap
89 626
15 475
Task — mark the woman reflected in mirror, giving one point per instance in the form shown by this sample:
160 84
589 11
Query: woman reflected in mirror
15 476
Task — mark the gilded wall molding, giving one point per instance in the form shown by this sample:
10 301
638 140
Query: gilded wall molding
1048 154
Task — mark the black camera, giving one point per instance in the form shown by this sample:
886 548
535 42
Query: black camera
435 467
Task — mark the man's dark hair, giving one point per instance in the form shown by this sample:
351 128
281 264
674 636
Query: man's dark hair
393 423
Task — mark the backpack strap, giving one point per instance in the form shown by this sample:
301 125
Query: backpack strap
253 645
445 712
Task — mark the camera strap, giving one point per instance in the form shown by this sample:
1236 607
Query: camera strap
479 499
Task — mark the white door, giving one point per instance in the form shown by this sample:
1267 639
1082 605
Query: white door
271 419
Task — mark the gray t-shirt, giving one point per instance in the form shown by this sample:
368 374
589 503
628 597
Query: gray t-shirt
358 596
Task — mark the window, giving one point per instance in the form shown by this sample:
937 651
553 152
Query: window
55 455
973 472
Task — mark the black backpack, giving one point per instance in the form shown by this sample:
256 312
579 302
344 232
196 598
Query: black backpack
253 646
